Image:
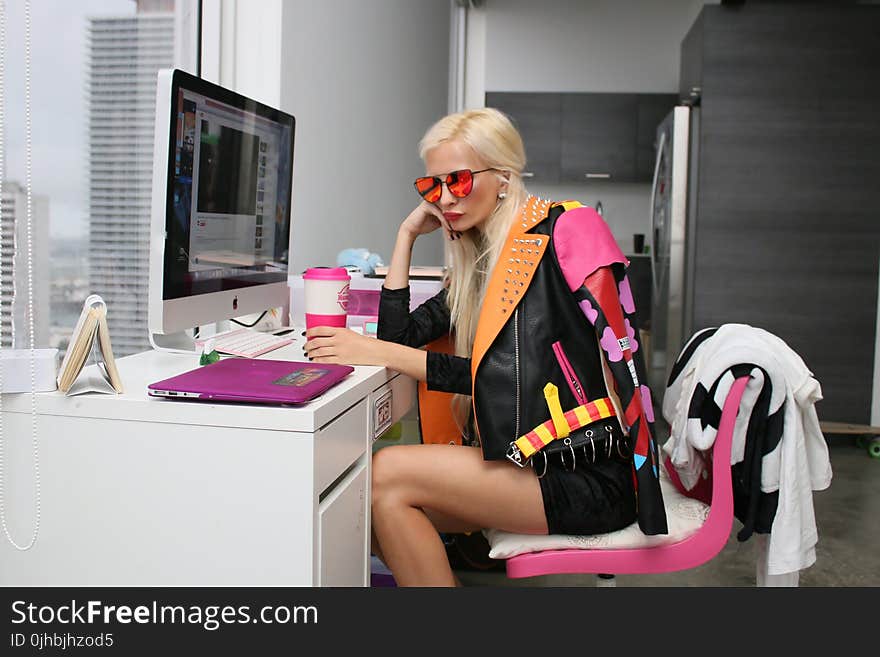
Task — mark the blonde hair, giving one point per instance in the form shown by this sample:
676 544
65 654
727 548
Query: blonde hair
473 256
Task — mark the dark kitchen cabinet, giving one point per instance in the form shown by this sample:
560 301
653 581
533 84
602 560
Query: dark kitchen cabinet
537 116
598 137
579 137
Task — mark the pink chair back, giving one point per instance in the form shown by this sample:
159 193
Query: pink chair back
691 552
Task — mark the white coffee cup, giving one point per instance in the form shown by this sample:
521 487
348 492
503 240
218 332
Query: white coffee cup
326 296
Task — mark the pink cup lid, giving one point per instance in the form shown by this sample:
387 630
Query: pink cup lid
327 274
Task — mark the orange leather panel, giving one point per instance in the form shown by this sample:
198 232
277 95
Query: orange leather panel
511 277
436 423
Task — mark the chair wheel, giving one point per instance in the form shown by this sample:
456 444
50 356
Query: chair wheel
861 442
874 448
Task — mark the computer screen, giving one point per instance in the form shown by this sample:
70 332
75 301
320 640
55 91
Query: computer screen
221 204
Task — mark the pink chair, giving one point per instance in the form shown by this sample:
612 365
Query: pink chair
691 552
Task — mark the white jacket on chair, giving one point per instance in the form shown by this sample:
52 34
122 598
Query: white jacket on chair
798 465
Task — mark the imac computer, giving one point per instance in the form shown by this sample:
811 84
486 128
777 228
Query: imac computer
220 226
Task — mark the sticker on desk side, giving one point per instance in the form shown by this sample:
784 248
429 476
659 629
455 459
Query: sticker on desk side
382 414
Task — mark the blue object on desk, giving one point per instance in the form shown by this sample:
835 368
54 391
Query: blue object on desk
360 258
371 326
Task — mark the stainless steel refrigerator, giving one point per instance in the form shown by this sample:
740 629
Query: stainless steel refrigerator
672 238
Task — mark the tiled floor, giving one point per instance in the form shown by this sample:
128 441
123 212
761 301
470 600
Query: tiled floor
848 552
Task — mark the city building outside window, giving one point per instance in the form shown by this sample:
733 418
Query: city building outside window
93 95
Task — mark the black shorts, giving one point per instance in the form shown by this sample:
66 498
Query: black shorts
596 498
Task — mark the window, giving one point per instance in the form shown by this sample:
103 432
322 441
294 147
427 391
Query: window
93 91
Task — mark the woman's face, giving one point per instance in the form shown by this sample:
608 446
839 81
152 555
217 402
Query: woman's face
472 210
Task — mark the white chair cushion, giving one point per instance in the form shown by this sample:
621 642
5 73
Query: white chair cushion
684 516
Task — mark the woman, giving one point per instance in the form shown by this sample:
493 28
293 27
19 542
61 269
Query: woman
522 314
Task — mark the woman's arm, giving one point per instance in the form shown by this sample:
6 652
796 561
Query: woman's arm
398 271
406 360
417 328
426 218
400 331
443 372
330 344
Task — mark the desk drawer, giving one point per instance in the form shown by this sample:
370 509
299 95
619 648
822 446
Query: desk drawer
343 545
339 444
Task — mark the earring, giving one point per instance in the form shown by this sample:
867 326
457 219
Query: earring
502 195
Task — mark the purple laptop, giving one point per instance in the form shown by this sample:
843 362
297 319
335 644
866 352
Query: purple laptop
253 380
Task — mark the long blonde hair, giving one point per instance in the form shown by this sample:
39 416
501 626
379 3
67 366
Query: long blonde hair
473 256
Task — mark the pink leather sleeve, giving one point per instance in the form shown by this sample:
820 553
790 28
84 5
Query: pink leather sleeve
584 243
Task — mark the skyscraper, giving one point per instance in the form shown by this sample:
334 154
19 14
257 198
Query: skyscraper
13 232
124 55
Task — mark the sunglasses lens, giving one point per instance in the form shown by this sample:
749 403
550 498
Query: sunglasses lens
460 183
428 188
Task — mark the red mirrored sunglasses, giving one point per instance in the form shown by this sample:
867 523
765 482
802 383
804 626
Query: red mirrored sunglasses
459 183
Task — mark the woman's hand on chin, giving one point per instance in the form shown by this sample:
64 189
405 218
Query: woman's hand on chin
426 218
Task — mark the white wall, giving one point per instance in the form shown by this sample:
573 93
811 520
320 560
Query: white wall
581 46
586 45
364 81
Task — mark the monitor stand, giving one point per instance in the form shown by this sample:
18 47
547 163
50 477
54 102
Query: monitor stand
174 343
183 342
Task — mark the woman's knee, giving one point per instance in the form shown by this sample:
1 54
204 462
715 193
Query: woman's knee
388 464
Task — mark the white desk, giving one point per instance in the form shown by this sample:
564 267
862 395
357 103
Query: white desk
139 491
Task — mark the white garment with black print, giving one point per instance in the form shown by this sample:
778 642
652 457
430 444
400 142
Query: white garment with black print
798 463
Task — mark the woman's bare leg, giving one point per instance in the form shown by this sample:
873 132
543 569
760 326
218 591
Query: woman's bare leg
375 548
419 490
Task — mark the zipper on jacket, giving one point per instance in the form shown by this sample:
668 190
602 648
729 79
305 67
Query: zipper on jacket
573 383
516 368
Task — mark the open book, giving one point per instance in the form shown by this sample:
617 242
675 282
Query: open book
92 324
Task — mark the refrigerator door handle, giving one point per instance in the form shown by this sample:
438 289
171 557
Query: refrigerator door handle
661 142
